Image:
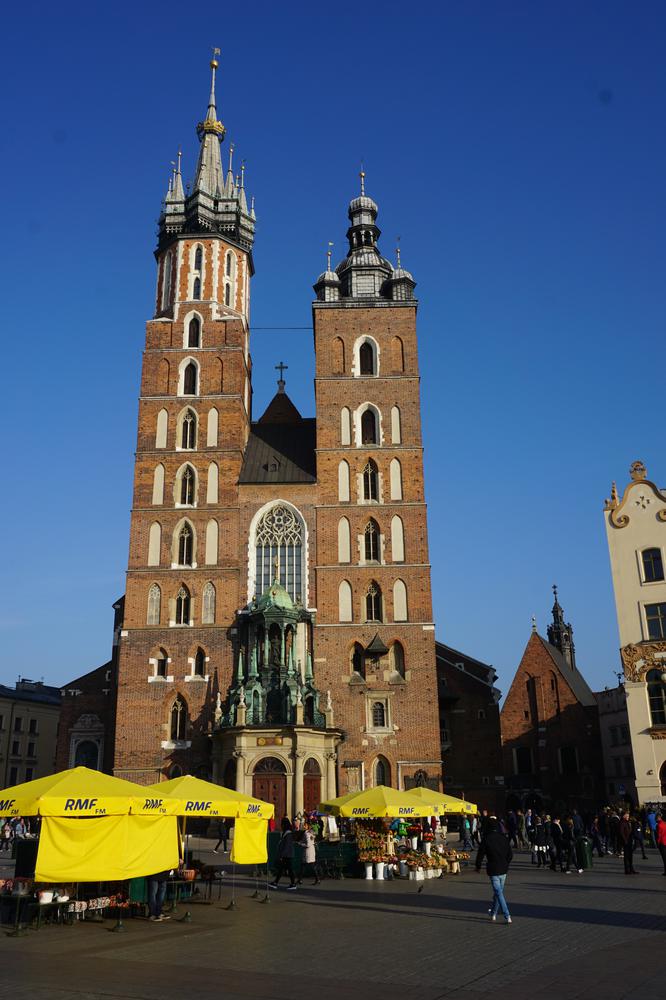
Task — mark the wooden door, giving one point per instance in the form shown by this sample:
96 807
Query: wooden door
272 788
311 792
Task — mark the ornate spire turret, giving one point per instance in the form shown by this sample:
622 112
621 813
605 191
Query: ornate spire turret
560 633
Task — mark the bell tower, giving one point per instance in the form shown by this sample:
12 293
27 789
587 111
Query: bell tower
374 637
193 426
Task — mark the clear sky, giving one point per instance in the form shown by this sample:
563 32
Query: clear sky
517 148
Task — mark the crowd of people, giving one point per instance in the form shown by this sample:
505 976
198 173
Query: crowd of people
554 841
16 828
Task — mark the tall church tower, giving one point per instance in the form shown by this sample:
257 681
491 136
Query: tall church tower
375 637
194 422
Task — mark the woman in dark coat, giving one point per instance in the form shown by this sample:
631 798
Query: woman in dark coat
285 856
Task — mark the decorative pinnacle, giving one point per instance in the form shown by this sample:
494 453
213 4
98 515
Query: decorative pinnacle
397 251
362 176
231 157
328 256
534 624
180 156
210 124
555 591
242 181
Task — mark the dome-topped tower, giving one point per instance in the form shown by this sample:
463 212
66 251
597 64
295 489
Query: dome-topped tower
364 273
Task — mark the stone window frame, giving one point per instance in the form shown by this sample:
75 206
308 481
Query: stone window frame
356 360
187 319
154 677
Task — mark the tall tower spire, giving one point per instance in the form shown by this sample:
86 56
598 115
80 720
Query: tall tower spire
560 633
210 176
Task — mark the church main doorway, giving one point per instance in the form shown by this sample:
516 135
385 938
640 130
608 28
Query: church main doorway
311 785
269 782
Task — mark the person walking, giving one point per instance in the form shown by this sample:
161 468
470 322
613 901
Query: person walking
522 829
223 834
285 857
540 842
597 841
156 893
626 834
651 820
660 835
6 836
639 837
569 846
307 843
556 845
496 850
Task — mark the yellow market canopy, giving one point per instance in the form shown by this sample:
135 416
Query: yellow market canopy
190 796
77 792
381 801
448 804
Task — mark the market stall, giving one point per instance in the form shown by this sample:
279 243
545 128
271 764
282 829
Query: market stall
392 835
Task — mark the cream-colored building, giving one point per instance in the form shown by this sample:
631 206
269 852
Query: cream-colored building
636 530
29 715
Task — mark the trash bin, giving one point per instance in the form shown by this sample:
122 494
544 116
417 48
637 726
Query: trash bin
584 852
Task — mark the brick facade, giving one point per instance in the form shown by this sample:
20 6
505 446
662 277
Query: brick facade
550 734
180 666
470 728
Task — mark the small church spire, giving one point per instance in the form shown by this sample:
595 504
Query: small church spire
362 176
328 256
560 633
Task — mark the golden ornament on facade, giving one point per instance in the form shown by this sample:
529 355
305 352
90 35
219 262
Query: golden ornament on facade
216 127
637 660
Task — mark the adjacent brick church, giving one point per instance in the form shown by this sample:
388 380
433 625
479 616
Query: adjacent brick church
277 632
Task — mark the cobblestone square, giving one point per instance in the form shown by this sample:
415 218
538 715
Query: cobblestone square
571 934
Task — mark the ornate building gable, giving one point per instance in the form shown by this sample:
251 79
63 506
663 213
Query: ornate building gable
641 497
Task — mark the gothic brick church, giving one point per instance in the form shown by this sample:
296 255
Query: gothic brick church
277 631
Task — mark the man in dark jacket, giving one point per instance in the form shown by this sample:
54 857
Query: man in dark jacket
496 849
285 856
627 840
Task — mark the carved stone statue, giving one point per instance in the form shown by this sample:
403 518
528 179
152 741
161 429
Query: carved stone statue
329 703
218 708
241 695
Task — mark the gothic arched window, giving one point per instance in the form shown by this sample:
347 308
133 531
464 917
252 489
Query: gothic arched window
373 602
370 481
382 772
154 602
198 259
196 289
183 607
227 294
187 484
188 434
194 332
200 663
397 658
178 720
656 697
279 535
372 541
366 359
369 427
190 379
653 566
185 546
208 615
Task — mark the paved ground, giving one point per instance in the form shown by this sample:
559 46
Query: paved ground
571 934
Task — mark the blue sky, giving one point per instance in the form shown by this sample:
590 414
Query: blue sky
517 148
